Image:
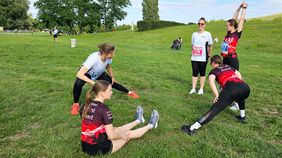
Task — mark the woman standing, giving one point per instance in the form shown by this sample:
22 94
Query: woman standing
94 69
98 135
201 51
229 44
233 89
234 31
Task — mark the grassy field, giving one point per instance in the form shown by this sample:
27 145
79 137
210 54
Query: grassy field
270 17
37 78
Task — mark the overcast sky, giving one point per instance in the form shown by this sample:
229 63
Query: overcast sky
191 10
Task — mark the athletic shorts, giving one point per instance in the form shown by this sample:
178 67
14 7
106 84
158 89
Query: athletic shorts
198 67
97 149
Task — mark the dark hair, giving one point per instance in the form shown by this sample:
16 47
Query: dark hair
216 59
202 18
106 48
99 86
233 22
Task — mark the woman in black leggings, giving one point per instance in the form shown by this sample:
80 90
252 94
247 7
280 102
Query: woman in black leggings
94 69
233 89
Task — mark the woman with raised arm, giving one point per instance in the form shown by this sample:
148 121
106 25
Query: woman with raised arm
234 31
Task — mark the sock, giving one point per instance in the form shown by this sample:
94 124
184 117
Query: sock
242 113
196 125
138 121
150 126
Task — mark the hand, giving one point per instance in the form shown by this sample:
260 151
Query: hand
244 5
215 99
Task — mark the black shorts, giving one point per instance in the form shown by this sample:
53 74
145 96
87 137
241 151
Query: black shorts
199 67
233 62
97 149
55 36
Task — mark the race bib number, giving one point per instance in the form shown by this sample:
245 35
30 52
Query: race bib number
224 47
197 51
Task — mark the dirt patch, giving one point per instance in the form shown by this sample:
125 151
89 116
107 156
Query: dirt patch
34 125
18 136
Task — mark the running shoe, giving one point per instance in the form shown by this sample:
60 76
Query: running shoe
133 95
201 91
234 106
75 109
241 119
139 114
192 91
186 129
154 119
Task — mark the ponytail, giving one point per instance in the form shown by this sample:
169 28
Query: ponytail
99 86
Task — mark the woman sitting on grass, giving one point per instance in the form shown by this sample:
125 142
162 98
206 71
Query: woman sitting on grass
98 135
233 89
94 69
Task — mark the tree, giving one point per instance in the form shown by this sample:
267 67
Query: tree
56 13
150 10
13 14
112 10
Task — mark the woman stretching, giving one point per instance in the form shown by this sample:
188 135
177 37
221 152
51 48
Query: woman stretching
229 44
233 89
98 135
94 69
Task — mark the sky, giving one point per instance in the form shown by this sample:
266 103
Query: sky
185 11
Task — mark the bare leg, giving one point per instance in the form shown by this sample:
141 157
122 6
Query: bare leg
126 127
133 134
194 82
202 82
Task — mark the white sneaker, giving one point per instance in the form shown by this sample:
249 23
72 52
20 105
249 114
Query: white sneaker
234 106
201 91
192 91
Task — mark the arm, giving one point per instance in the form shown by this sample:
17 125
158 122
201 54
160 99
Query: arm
209 50
238 74
242 18
110 71
213 87
235 16
113 135
81 75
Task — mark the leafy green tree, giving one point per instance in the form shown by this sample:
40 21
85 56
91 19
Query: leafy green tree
13 14
150 10
112 10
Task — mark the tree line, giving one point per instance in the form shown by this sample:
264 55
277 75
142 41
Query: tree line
71 15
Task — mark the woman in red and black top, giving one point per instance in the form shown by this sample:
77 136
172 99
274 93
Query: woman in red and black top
234 31
233 89
98 135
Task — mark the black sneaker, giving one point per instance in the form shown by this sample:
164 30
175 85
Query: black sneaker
186 129
241 119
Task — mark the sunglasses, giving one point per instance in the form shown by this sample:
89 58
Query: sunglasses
202 24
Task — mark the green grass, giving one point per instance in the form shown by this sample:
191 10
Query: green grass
270 17
37 78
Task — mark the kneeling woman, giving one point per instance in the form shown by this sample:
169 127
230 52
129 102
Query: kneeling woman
94 69
233 89
98 134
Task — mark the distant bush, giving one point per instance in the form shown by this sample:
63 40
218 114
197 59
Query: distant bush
150 25
278 19
123 27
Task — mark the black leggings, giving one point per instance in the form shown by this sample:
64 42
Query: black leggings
199 67
233 62
233 91
77 88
